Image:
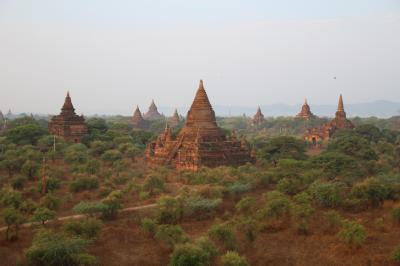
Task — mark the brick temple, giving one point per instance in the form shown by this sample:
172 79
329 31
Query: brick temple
258 118
68 124
175 119
325 132
152 113
199 143
305 112
137 119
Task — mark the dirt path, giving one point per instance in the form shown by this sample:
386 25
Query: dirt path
80 216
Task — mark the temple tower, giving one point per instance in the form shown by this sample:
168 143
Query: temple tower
305 112
199 143
175 119
152 113
258 117
137 119
68 124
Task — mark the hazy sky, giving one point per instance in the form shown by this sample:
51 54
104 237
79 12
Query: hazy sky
112 55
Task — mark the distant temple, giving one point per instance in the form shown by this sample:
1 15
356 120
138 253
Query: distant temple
174 119
137 119
152 113
324 132
305 112
200 142
68 124
258 117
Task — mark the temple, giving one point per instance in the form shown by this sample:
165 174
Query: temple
174 119
325 132
137 119
152 113
258 118
68 124
305 112
199 143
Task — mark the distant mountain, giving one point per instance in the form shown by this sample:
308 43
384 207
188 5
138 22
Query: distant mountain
381 108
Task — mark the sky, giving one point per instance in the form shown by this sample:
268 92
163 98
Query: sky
114 55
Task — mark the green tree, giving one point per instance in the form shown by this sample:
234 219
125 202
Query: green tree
12 216
54 249
283 147
232 258
42 215
224 234
170 234
352 233
26 134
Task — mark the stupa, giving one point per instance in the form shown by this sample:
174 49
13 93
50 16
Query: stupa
305 112
200 142
68 124
325 132
174 119
258 118
137 119
152 113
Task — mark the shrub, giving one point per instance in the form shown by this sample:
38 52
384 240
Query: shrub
18 182
249 228
289 185
352 233
170 234
333 220
232 258
246 205
54 249
112 155
52 183
88 208
84 183
111 204
207 246
224 234
197 205
396 255
42 215
189 255
153 183
170 210
278 205
371 190
326 194
238 188
30 169
149 225
50 201
396 214
88 228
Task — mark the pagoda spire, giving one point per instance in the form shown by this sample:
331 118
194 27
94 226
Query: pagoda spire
340 105
68 107
201 109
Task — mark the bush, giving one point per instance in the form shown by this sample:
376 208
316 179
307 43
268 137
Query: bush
84 183
153 183
18 182
333 220
189 255
396 214
170 234
170 210
352 233
278 205
54 249
88 228
52 183
42 215
371 190
50 201
197 205
289 185
396 255
246 205
112 155
326 194
238 188
149 225
224 234
88 208
232 258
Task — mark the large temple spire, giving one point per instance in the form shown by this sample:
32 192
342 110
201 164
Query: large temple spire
68 107
340 105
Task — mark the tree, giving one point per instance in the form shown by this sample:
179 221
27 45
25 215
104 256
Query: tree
26 134
30 169
54 249
88 228
278 205
354 146
191 255
352 233
112 155
223 233
369 132
12 216
283 147
232 258
170 234
372 190
326 194
246 205
43 214
76 153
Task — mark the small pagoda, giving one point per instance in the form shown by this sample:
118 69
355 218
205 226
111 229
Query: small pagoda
200 142
175 119
68 124
258 118
325 132
305 112
152 113
137 119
